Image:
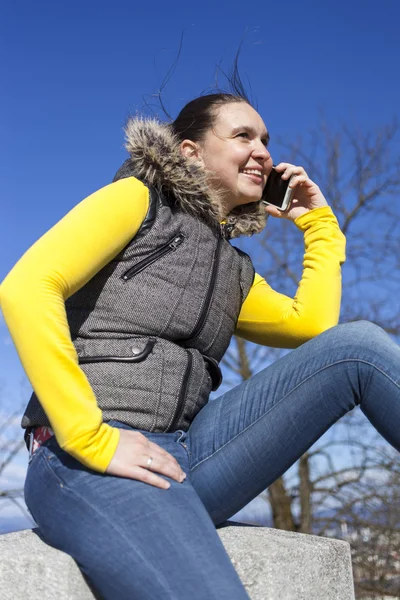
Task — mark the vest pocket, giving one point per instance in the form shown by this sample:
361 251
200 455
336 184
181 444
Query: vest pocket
138 353
146 382
142 381
126 377
170 246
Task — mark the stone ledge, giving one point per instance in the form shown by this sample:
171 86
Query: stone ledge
272 564
281 565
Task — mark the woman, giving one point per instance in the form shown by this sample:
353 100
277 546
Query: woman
132 300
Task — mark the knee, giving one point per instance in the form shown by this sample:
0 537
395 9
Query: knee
362 326
362 333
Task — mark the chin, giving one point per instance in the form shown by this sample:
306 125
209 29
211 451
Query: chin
246 199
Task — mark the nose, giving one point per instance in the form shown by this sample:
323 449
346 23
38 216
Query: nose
260 152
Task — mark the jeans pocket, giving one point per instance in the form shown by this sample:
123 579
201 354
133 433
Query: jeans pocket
182 440
50 460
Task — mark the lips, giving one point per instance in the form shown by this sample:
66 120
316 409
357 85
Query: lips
258 179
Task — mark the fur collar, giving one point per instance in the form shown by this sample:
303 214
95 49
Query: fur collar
156 160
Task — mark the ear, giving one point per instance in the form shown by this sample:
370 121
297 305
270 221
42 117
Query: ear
191 151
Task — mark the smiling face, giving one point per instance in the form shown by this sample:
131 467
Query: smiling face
234 153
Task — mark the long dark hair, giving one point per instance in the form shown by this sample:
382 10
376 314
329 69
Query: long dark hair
198 116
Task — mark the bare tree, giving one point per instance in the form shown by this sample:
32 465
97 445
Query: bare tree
360 175
369 517
11 444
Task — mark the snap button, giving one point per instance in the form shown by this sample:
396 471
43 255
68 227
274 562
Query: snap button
136 350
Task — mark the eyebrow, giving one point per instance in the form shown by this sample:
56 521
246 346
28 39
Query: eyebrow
250 130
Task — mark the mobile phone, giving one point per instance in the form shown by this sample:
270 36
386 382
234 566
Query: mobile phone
277 191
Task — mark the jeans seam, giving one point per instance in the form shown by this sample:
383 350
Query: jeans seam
45 461
288 394
34 455
93 507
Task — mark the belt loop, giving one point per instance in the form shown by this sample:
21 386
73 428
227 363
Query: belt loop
31 435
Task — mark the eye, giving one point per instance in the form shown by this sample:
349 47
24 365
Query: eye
243 134
265 141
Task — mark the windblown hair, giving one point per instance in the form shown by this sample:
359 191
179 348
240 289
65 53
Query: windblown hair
198 115
155 158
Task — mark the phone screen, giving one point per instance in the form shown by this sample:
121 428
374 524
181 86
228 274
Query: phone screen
275 189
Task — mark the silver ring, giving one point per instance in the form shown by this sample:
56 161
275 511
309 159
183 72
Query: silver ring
149 461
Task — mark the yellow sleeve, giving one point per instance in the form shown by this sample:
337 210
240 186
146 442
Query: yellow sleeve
273 319
33 298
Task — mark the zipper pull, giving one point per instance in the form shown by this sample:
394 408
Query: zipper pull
176 242
226 230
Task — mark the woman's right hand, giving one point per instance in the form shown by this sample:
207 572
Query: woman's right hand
131 456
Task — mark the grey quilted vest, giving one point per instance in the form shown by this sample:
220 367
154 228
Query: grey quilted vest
151 327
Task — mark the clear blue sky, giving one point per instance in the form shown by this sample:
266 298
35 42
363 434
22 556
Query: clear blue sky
72 72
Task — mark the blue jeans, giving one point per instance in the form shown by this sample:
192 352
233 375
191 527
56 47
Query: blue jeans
133 540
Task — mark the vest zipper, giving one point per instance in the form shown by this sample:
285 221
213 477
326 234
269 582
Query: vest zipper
170 246
182 393
207 301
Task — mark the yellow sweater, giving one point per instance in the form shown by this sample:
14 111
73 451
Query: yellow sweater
33 295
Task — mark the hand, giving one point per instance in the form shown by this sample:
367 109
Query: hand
131 456
306 196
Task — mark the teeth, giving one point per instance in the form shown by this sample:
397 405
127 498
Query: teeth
252 172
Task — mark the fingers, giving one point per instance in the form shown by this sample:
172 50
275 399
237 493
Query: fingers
143 475
307 195
162 465
131 460
297 180
288 170
297 175
273 211
155 451
163 462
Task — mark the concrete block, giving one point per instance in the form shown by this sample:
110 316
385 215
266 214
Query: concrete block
30 570
273 565
281 565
